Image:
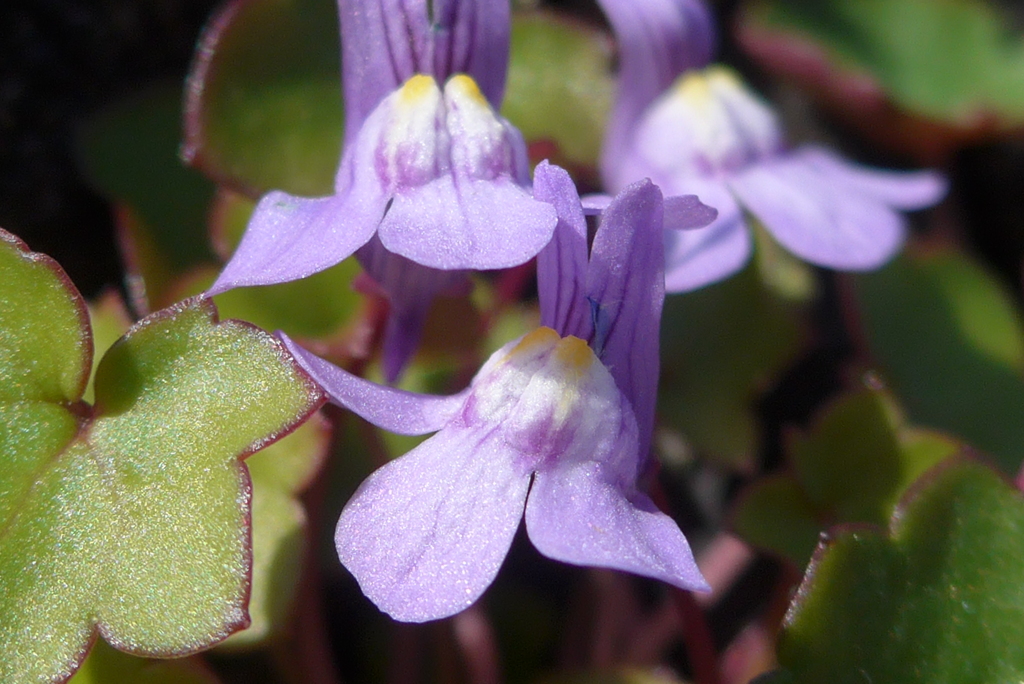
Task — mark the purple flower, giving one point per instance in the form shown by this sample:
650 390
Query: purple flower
658 40
704 132
427 166
555 427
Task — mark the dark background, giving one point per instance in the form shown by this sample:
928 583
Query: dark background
59 61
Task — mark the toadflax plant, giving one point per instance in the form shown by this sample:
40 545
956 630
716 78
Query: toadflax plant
559 420
783 477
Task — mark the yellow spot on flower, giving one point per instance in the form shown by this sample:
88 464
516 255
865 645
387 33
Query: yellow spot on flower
467 87
723 75
693 86
538 339
417 88
699 86
574 355
571 354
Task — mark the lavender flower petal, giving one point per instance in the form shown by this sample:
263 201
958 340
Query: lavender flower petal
382 45
626 281
394 410
584 429
595 203
695 258
818 218
293 237
474 38
687 212
682 212
658 39
907 190
425 535
472 224
576 515
562 265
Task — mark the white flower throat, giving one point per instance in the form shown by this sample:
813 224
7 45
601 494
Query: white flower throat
708 123
550 396
427 132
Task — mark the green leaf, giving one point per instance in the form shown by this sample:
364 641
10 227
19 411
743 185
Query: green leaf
860 457
721 345
952 60
134 522
279 530
45 356
105 665
129 151
938 599
853 466
46 346
950 341
566 105
279 472
264 106
774 514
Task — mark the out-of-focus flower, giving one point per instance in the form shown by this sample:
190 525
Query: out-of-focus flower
658 40
558 421
704 132
432 182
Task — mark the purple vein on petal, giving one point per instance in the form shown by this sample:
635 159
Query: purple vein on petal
627 279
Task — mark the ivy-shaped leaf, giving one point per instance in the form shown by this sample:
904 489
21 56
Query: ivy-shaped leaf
263 107
852 466
938 599
278 472
950 342
129 517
